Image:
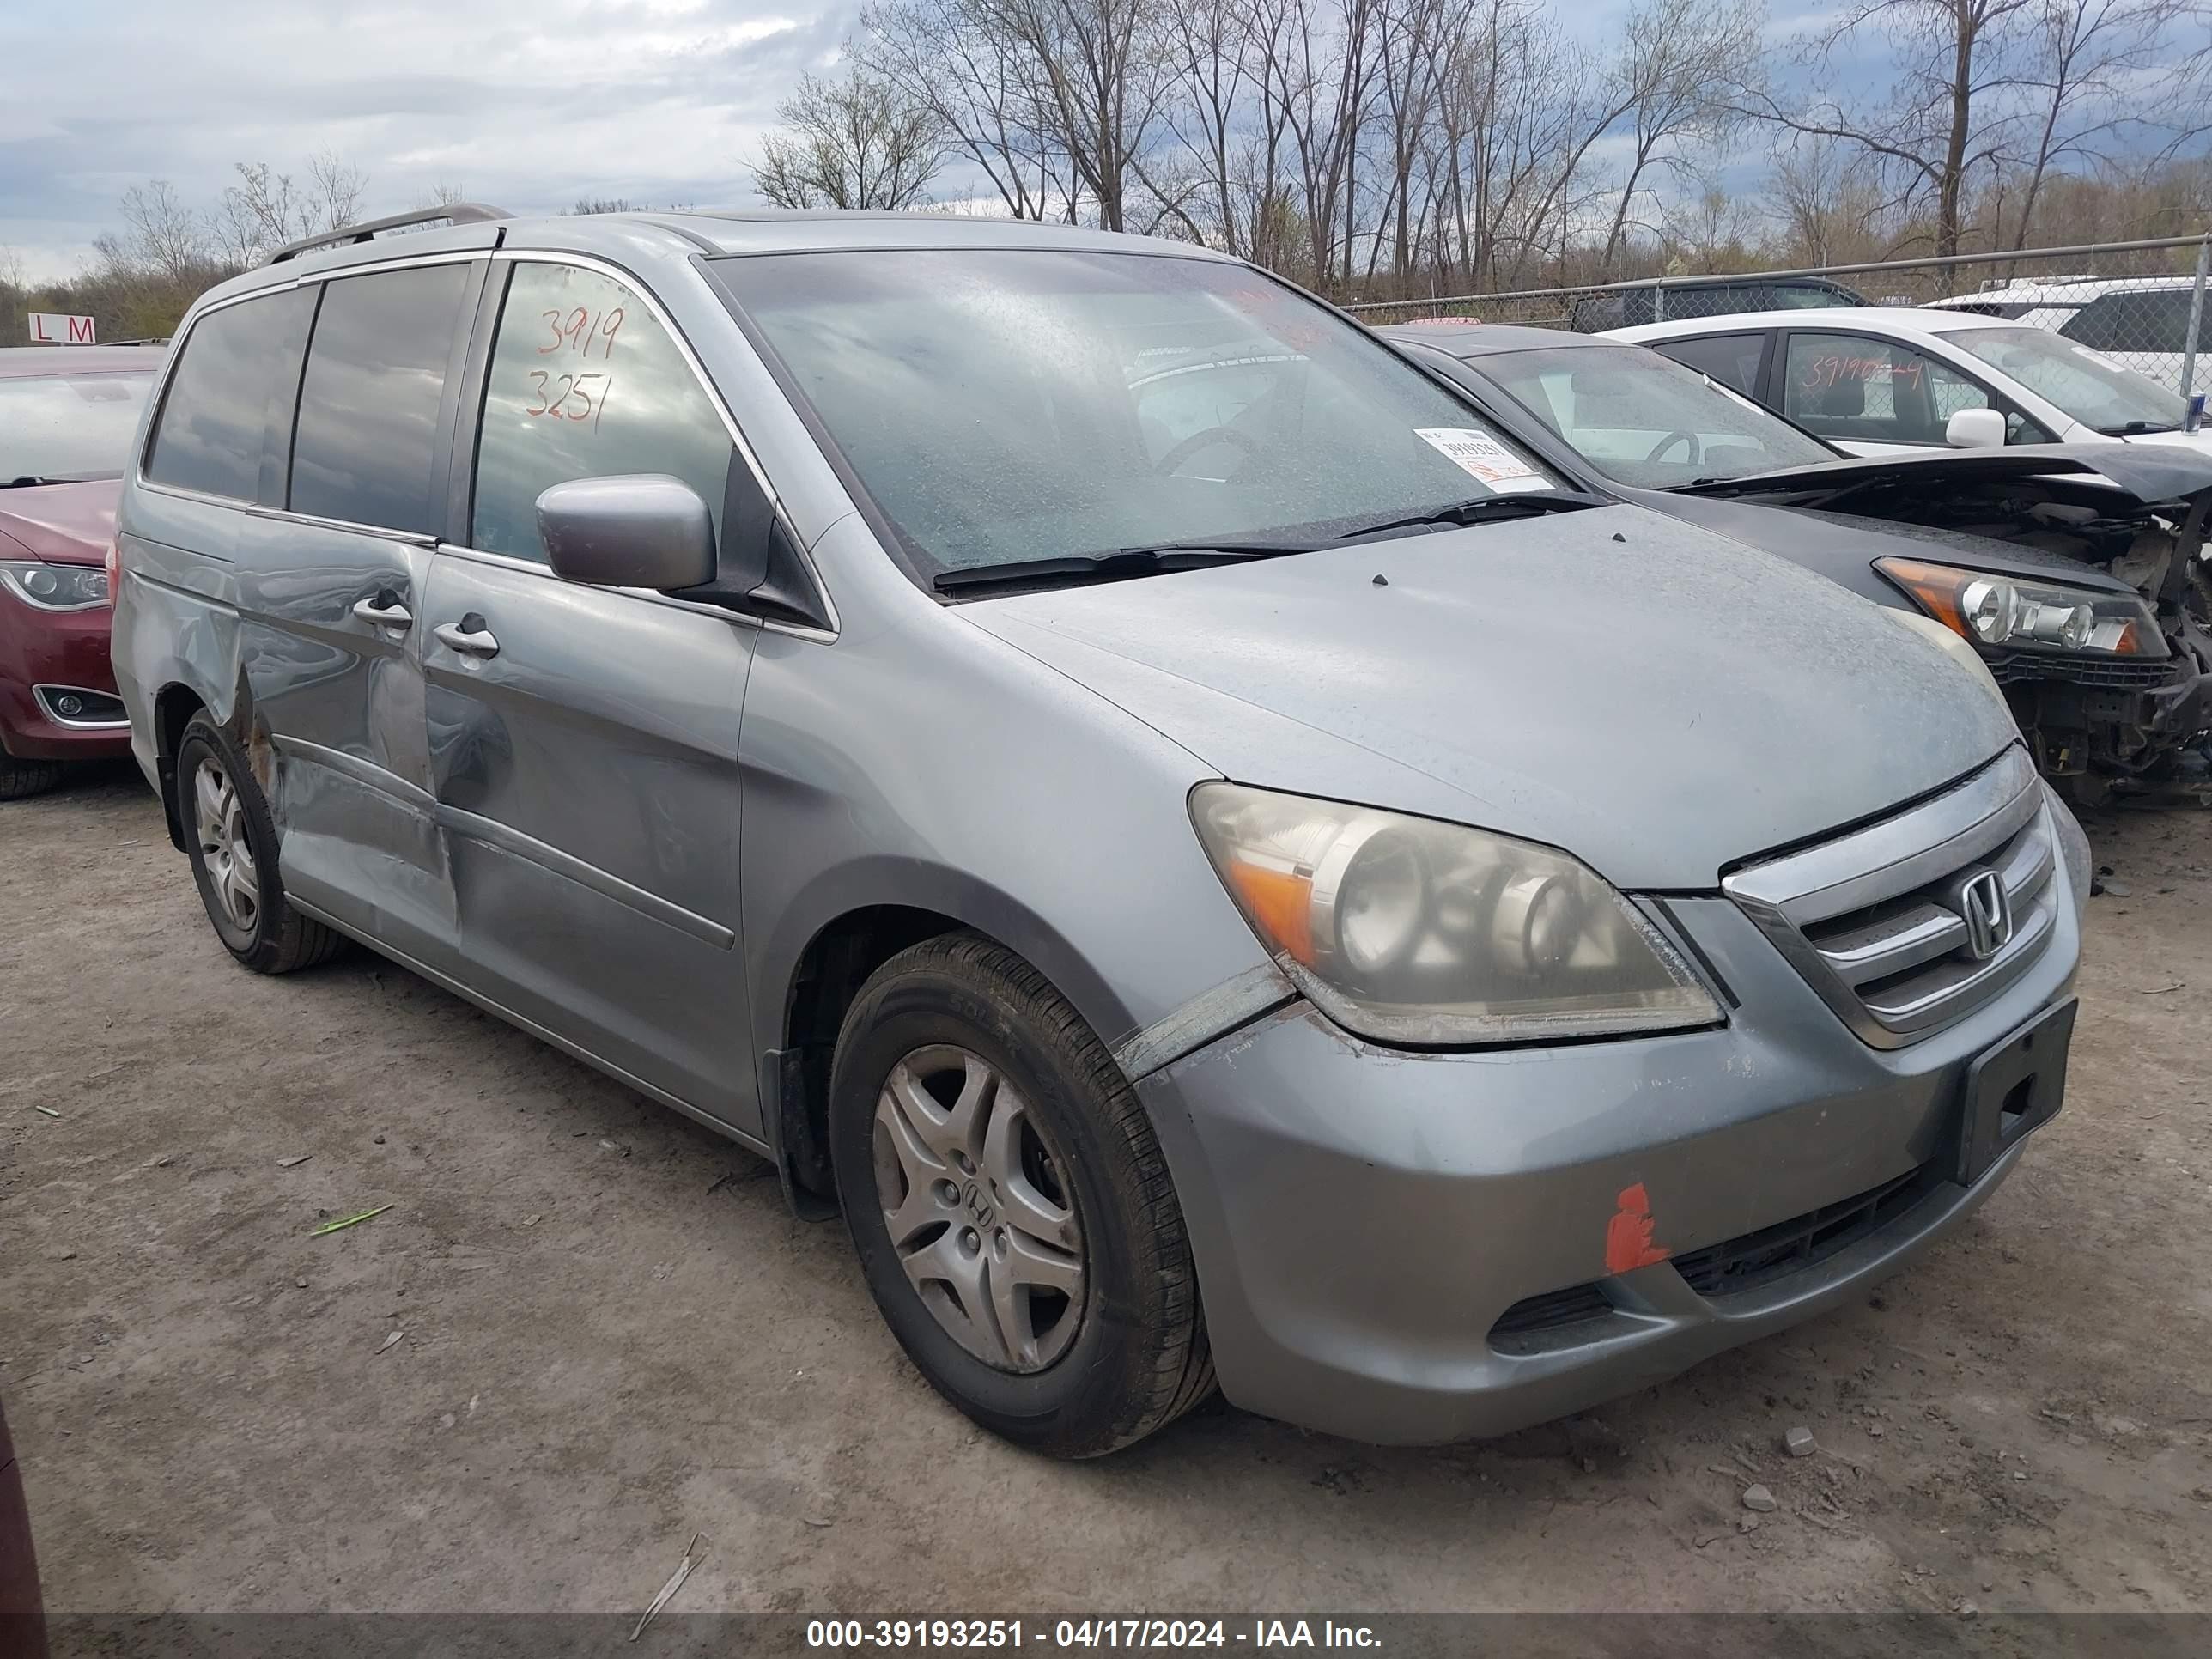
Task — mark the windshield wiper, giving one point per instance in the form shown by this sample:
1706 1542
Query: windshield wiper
2136 428
1121 562
1526 503
1200 553
30 480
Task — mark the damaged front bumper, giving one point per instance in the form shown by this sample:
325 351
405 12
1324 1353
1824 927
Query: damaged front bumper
1421 1248
2116 720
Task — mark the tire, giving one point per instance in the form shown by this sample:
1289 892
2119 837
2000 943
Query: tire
21 779
231 841
1135 1357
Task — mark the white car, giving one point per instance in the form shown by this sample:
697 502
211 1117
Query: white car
1878 380
2140 322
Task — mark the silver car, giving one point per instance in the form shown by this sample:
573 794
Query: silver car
1223 866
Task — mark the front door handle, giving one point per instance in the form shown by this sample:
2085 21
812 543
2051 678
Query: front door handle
385 611
469 636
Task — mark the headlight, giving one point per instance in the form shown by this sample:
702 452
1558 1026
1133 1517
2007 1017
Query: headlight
1410 931
56 587
2007 612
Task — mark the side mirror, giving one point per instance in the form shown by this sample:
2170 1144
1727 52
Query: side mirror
1975 428
638 530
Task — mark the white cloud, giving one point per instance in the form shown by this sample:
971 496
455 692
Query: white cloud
527 103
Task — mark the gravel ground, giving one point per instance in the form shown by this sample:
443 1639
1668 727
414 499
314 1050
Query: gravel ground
612 1336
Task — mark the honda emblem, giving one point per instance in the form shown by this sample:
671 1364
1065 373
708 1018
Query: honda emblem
1986 909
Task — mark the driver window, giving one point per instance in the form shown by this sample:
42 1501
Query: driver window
1854 387
585 383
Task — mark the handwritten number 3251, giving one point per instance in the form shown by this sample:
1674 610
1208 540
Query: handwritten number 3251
569 396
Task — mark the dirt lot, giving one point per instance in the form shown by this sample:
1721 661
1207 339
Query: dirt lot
615 1337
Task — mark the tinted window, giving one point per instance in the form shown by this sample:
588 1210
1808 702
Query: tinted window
1794 296
585 383
2149 320
232 392
369 404
1844 386
1003 406
69 425
1731 359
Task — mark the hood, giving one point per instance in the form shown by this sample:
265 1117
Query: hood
1842 545
62 523
2159 469
2199 440
1659 701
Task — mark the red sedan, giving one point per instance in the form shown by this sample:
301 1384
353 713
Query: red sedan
67 416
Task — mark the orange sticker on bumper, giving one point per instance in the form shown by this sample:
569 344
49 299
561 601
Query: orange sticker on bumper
1628 1243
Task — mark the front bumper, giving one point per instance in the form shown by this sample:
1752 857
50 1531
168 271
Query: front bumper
2116 719
63 651
1363 1217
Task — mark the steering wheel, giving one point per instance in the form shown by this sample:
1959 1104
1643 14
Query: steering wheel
1170 463
1669 442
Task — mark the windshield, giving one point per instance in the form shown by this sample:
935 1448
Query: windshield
2087 385
1646 420
1007 405
69 426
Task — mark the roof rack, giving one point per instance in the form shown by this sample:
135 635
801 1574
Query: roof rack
457 213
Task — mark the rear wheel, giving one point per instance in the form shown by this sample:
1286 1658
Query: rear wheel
1011 1208
22 778
231 841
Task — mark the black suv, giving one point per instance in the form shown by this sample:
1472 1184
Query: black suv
1627 304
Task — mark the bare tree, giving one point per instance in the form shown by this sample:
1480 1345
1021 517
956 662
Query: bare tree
1945 116
1093 72
1671 80
857 141
978 81
2095 68
162 234
265 209
334 191
1205 68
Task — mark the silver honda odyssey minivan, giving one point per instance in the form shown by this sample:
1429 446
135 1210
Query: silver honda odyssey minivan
1219 864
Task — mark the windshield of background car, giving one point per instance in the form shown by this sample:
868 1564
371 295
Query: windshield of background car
2091 387
1011 404
1646 420
69 425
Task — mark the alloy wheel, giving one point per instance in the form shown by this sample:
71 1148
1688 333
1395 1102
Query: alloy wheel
224 848
980 1208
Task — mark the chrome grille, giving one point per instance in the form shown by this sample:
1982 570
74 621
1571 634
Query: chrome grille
1879 921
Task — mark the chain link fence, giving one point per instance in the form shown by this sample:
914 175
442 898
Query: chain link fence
2141 304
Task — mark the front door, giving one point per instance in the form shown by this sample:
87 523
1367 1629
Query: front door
583 741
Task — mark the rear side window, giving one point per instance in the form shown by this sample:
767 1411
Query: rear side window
2152 321
369 404
1798 296
229 403
1731 360
585 383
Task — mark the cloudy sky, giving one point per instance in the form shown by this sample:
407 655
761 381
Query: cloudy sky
526 103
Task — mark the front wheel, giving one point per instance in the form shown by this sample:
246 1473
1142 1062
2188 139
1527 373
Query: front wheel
231 842
1011 1208
21 779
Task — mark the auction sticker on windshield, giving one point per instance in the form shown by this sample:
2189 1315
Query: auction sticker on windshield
1479 453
